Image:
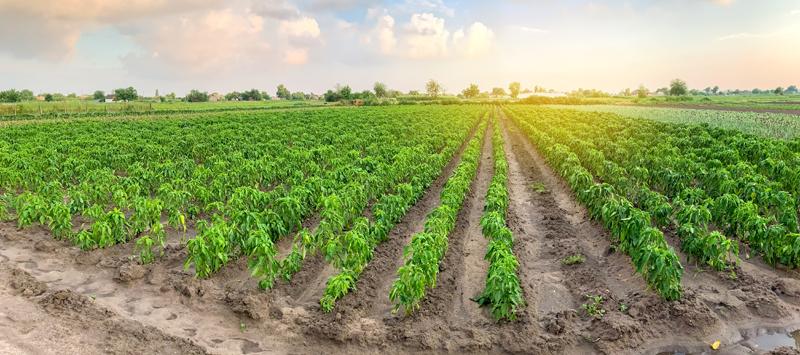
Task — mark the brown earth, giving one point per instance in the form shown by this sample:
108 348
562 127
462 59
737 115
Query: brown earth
56 299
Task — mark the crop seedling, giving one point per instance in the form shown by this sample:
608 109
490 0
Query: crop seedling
594 308
573 259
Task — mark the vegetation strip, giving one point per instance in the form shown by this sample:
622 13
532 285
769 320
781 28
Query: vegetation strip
426 250
502 293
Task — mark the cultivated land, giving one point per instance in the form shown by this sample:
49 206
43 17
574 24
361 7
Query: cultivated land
455 228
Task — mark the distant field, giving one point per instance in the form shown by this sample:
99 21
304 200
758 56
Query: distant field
759 102
78 106
767 124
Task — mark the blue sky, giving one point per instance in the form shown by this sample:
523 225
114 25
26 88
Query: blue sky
311 45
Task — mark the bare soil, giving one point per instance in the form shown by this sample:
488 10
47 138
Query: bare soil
56 299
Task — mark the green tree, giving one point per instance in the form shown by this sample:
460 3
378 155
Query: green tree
514 88
197 96
678 87
433 88
298 95
642 92
48 97
283 93
471 91
126 94
792 89
498 92
778 91
10 96
380 89
99 95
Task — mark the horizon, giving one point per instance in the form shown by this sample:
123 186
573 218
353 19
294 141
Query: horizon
311 45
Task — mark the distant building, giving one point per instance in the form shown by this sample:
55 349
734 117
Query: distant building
111 98
40 98
215 97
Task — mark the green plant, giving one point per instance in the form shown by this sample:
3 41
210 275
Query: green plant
573 259
594 308
538 187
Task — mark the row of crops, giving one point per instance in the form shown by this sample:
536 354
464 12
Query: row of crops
717 190
766 124
233 185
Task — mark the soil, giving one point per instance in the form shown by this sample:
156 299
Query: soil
55 298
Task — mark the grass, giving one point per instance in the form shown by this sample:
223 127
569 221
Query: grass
538 187
573 259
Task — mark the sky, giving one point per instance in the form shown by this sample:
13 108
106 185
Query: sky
312 45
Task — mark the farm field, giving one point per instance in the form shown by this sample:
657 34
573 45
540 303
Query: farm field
435 228
82 108
767 124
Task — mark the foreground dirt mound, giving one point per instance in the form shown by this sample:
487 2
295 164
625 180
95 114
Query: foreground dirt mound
62 321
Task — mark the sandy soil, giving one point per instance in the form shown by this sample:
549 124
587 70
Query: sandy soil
56 299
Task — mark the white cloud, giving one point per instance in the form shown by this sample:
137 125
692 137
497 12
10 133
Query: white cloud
426 36
304 27
384 32
435 6
794 12
203 43
722 2
746 35
530 29
477 40
50 29
296 56
279 9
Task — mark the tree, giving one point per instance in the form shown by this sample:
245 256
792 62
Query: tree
380 89
10 96
755 91
677 87
792 89
433 88
126 94
283 93
513 88
498 92
471 91
48 97
642 92
197 96
715 90
345 92
26 95
298 95
778 91
252 95
233 96
99 95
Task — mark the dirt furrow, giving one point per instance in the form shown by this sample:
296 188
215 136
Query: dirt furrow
463 270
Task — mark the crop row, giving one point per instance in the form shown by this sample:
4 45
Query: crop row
502 293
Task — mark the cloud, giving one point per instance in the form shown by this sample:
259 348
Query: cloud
434 6
746 35
50 30
384 32
530 29
794 12
336 5
296 56
203 43
304 27
277 9
426 36
477 40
